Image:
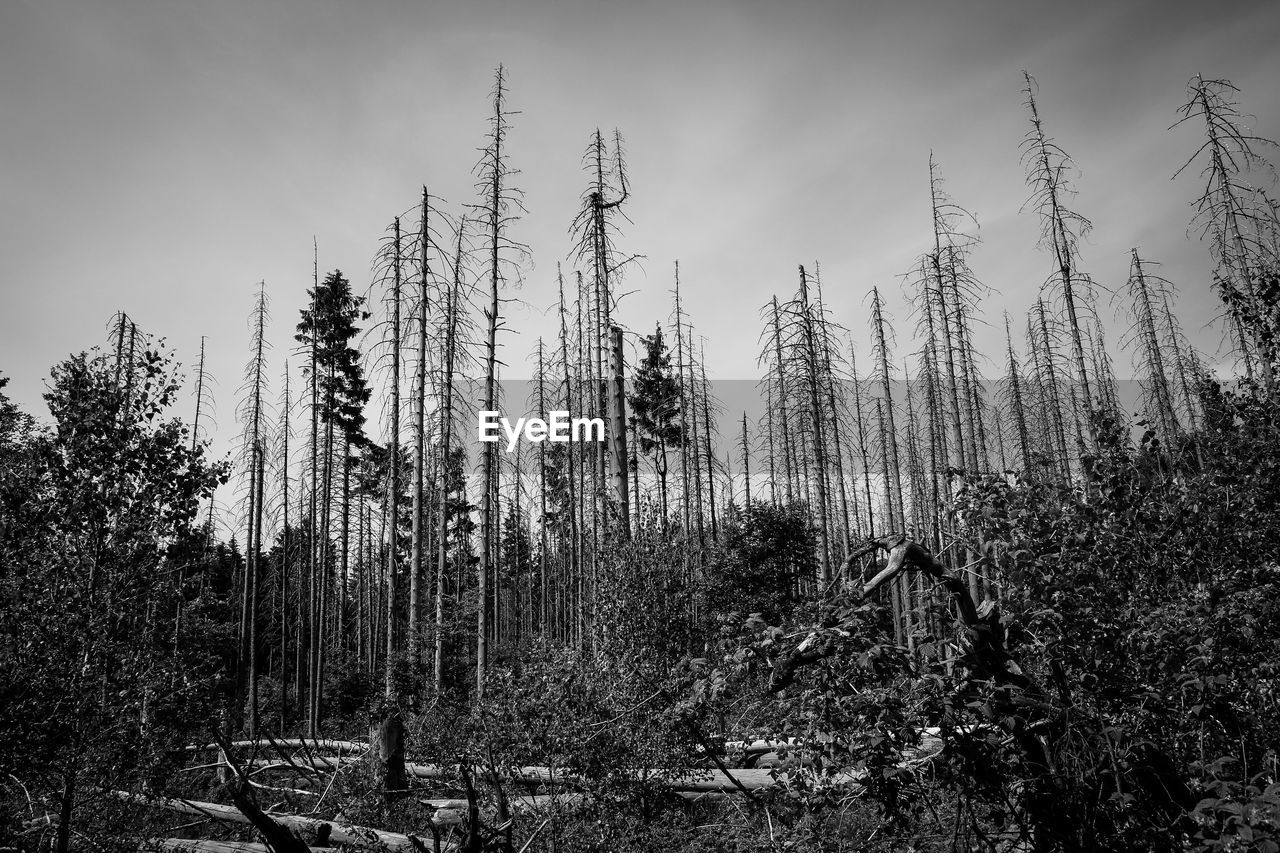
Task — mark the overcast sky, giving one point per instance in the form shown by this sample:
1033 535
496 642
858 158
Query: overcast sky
162 157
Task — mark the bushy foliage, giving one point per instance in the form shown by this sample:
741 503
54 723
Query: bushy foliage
1141 610
108 657
765 553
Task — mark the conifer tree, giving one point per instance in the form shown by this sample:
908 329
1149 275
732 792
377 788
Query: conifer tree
655 404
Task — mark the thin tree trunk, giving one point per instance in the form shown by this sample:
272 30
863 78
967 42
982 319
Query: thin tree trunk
419 445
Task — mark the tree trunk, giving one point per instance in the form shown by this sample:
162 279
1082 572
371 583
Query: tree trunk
618 437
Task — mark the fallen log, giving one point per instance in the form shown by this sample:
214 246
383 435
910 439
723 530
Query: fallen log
337 833
200 845
451 808
286 743
758 745
689 780
695 781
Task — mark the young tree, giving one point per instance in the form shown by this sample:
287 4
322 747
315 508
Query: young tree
655 402
95 514
328 329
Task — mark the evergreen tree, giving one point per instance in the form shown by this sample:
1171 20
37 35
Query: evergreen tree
655 404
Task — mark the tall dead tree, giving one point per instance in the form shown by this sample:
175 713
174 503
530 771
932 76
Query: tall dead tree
448 338
1144 289
707 425
684 405
313 518
618 435
253 419
388 734
1047 166
417 531
1185 366
863 447
1016 400
936 303
813 364
772 356
496 211
284 434
893 468
1238 222
499 207
835 405
594 230
573 491
1052 412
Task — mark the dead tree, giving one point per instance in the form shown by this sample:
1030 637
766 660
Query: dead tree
1015 399
1143 290
254 420
1237 221
498 209
1060 231
813 364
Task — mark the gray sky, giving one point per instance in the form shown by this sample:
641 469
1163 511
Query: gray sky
163 157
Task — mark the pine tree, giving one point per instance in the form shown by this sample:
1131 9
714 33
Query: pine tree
655 403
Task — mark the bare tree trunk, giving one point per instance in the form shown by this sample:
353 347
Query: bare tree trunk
695 457
894 471
618 439
812 365
66 811
393 474
493 177
417 532
1016 402
284 557
544 611
706 430
1046 178
389 735
1161 400
446 442
895 599
574 579
1180 364
313 534
862 442
788 461
344 558
1048 375
253 416
684 411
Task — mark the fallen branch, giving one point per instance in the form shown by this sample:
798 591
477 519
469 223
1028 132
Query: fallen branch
360 836
994 661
